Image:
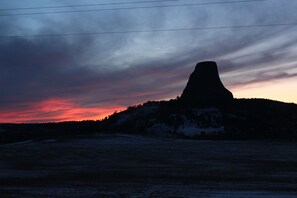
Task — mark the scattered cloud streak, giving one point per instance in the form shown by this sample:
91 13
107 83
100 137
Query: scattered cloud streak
88 77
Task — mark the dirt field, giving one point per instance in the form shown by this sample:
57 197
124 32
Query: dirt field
131 166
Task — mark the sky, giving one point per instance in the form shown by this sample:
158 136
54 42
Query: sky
64 60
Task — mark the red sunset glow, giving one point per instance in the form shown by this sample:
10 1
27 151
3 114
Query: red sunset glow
56 110
61 66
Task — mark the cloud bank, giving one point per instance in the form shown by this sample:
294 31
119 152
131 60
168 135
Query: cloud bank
60 78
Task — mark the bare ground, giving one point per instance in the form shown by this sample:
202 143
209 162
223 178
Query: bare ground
120 166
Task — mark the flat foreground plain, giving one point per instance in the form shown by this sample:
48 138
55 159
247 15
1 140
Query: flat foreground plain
119 166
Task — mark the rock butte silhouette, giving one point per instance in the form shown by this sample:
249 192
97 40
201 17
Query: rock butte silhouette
205 87
185 117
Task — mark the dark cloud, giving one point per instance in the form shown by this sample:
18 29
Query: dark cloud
34 68
100 71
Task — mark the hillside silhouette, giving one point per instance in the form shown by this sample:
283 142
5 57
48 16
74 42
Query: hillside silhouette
205 110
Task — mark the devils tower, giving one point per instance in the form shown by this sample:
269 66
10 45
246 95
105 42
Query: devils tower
205 88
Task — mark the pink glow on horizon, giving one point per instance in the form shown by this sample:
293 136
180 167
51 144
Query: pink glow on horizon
282 90
56 110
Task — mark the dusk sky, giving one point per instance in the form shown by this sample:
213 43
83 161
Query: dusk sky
60 65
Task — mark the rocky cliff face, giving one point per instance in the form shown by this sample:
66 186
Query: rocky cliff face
205 88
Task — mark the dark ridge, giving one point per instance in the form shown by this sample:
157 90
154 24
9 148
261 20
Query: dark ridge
223 118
